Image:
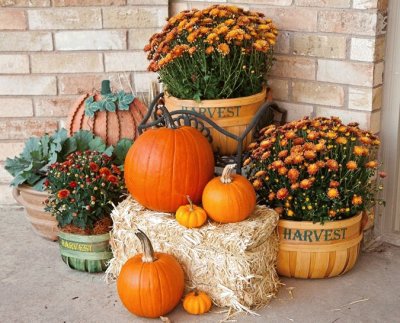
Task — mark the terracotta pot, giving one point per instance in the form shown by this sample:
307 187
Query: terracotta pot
234 115
43 223
89 253
312 250
110 126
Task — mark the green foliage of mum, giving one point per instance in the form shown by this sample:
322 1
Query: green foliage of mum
215 76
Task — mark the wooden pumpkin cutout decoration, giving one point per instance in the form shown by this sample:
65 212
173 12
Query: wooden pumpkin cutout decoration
191 216
229 198
111 116
150 284
166 164
197 303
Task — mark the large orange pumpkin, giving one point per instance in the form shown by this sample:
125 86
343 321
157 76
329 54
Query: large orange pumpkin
110 126
165 165
229 198
150 284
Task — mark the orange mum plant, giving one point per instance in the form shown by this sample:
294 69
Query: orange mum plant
215 53
316 170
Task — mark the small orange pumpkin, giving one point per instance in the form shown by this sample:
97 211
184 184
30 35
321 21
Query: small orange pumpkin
191 216
150 284
229 198
197 303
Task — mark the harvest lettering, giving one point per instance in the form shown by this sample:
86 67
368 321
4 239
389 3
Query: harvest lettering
314 235
76 246
220 112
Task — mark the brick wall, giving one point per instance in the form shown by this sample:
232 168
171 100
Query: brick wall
329 58
51 51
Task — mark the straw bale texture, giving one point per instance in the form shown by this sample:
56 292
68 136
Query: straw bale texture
234 263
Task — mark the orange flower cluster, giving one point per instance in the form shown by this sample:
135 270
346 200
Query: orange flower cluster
217 29
315 169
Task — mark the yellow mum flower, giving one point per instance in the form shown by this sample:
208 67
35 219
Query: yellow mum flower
192 36
223 49
366 140
257 184
372 164
211 38
360 151
341 140
260 173
333 193
312 169
356 200
351 165
331 134
230 22
209 50
214 12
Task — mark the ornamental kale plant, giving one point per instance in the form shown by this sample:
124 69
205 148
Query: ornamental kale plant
316 170
31 165
39 153
215 53
83 188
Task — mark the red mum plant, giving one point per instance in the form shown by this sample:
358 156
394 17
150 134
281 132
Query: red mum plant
83 189
316 170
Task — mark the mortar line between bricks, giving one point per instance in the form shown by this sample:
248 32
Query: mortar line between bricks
34 107
102 17
346 100
327 58
103 60
333 34
127 39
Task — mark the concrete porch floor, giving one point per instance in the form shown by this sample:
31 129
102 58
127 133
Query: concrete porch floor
36 286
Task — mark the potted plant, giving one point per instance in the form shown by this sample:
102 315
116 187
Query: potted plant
82 190
29 171
319 176
214 61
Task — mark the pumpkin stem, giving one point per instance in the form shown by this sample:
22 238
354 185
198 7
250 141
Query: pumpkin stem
226 176
105 87
148 252
190 202
169 122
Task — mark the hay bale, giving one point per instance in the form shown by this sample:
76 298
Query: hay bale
234 263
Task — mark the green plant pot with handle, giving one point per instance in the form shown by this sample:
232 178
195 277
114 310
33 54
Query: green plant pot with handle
90 253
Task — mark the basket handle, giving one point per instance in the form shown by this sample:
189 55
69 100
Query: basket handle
364 220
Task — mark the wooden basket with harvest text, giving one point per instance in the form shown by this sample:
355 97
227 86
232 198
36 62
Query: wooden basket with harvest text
313 250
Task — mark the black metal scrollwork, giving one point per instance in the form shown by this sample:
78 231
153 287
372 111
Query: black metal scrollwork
161 117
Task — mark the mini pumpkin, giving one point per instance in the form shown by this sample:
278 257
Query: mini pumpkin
229 198
190 215
197 303
150 284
